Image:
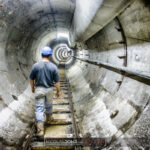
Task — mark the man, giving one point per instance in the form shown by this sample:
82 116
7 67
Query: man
42 78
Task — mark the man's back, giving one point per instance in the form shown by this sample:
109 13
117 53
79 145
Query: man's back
45 74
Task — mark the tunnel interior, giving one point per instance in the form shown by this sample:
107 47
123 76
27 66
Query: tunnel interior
108 102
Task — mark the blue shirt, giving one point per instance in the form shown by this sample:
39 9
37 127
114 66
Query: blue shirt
45 74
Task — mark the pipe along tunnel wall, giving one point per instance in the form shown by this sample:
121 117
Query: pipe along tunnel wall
108 103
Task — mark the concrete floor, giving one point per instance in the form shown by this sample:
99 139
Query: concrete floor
108 103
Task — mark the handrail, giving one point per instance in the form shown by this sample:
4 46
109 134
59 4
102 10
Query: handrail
145 75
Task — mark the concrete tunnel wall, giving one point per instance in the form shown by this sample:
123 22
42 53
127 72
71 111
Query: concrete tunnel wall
107 103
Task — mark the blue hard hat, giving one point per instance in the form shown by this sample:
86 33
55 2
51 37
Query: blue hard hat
46 51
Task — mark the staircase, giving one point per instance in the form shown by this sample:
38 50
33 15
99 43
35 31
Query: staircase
63 127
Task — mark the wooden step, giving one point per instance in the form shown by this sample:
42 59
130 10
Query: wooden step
61 109
59 122
60 102
63 85
58 131
61 119
62 89
63 97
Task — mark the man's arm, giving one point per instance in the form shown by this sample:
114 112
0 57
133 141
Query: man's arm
32 85
57 85
32 77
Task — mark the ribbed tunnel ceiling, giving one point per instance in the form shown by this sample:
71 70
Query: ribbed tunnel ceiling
36 14
108 103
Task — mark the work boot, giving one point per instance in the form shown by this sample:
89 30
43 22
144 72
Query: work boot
40 129
49 119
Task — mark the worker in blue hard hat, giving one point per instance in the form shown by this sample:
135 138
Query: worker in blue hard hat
44 75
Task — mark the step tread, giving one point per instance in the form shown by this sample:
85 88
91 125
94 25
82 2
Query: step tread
66 107
64 98
61 119
61 111
58 131
60 102
59 122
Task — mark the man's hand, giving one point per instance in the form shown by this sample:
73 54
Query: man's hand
58 94
33 90
32 85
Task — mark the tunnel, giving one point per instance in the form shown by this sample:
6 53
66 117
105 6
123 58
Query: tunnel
104 46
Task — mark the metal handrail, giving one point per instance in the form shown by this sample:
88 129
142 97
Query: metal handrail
141 74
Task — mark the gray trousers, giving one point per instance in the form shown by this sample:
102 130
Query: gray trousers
43 103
